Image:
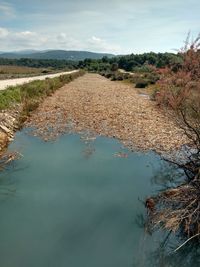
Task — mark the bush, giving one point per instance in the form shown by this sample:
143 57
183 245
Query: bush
178 209
152 77
117 77
108 75
142 84
114 67
126 76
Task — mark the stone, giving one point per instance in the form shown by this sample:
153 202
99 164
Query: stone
3 140
5 129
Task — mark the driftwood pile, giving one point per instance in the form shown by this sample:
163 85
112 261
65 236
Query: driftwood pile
107 108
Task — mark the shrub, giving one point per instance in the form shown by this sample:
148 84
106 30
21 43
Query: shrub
178 209
152 77
142 84
117 77
108 75
114 67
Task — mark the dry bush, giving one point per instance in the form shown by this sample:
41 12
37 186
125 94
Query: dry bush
180 92
178 209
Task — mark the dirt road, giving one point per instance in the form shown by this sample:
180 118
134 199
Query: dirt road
12 82
108 108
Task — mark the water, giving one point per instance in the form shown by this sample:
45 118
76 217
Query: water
72 203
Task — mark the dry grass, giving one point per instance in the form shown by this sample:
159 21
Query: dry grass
177 209
8 72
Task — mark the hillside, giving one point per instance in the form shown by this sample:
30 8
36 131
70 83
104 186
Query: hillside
55 54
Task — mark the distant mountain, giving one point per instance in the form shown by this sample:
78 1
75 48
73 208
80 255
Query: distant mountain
25 52
54 54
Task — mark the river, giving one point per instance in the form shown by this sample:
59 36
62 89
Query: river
77 202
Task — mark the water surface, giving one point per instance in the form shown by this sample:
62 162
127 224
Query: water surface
72 203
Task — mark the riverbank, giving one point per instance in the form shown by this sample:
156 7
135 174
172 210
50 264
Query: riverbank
95 104
9 124
16 103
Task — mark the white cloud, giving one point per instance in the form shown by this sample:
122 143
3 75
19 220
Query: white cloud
6 10
96 44
101 45
137 26
21 40
11 40
3 33
27 39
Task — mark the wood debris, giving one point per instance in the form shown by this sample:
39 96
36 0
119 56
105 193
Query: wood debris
107 108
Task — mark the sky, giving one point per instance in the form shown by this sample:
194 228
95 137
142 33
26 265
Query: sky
112 26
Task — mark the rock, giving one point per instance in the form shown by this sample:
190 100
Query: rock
5 129
3 140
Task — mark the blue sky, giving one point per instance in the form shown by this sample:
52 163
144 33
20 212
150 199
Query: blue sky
116 26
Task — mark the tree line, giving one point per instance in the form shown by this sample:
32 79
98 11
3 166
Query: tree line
133 62
40 63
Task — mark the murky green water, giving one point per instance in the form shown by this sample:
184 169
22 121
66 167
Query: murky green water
72 203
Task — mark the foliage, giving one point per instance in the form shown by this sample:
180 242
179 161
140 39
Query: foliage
135 63
141 83
181 92
178 209
145 68
40 63
114 67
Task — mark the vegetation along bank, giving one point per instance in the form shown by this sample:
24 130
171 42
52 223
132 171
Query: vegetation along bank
17 102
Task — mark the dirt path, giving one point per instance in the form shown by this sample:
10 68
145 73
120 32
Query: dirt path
107 108
12 82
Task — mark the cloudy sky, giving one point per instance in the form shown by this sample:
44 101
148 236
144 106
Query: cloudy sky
117 26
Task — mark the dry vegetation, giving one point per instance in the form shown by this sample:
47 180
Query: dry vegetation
9 72
178 209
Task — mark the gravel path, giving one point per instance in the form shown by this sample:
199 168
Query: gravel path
12 82
108 108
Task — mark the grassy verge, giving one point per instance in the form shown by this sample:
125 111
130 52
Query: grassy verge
31 94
